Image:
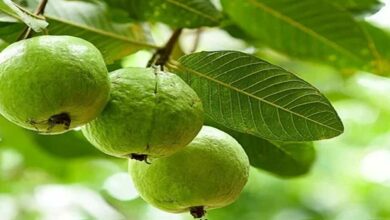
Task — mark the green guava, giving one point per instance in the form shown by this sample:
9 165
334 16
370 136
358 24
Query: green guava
208 173
150 114
52 83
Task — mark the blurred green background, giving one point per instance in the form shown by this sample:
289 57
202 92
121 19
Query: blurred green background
65 178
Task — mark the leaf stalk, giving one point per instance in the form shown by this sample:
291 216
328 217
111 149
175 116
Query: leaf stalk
40 10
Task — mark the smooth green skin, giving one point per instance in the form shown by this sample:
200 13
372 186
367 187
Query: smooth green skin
150 112
49 75
210 172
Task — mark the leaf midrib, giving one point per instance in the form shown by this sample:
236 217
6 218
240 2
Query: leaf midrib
177 65
306 29
11 14
102 32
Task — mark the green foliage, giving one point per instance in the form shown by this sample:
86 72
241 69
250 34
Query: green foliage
176 13
270 111
282 159
12 10
90 21
262 100
10 31
380 38
358 6
312 30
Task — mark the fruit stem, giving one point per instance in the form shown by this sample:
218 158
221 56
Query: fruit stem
38 11
197 211
161 56
140 157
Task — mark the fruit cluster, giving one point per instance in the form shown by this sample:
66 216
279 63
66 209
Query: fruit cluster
52 84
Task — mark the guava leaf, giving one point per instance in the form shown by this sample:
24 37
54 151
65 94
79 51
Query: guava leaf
91 21
249 95
381 41
9 32
281 159
311 30
176 13
6 18
37 23
358 6
3 45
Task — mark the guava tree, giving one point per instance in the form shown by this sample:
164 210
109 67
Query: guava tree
272 113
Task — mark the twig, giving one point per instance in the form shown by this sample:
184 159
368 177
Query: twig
161 56
198 35
40 10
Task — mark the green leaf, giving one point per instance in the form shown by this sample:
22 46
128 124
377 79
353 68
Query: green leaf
311 30
38 24
6 18
381 41
90 21
3 45
9 32
6 12
358 6
176 13
249 95
10 25
281 159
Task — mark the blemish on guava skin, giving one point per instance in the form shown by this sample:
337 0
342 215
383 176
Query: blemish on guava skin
197 211
59 119
140 157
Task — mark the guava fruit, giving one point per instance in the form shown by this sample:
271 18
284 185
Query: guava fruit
208 173
150 114
52 83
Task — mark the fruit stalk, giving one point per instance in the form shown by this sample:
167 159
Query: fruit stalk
40 10
197 212
161 56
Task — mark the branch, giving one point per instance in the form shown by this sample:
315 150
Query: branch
40 10
161 56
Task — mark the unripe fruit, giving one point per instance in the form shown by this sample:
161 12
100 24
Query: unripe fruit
52 83
208 173
150 114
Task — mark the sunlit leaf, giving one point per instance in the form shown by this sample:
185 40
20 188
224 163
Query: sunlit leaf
6 12
89 20
176 13
381 41
34 22
6 18
306 29
249 95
